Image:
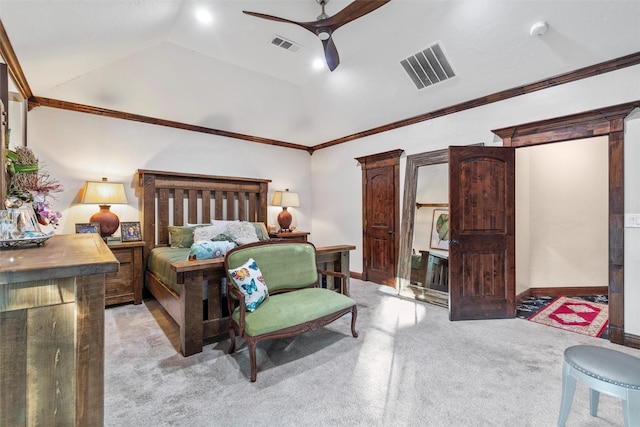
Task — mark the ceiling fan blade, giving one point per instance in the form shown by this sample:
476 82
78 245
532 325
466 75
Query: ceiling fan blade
269 17
353 11
331 53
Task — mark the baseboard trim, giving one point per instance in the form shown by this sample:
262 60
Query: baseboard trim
523 296
355 275
631 340
573 291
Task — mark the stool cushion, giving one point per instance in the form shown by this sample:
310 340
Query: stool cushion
605 364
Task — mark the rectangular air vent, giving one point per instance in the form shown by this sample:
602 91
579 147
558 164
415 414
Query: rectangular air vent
286 44
428 67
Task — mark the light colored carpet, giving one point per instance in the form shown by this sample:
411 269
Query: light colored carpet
410 366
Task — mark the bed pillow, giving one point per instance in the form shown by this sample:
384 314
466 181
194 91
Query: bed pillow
261 230
206 249
243 232
209 232
248 279
181 236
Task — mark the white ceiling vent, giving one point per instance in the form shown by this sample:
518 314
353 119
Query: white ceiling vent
286 44
428 67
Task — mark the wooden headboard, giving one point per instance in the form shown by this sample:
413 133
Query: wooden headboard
172 198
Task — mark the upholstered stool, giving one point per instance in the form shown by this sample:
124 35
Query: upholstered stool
603 371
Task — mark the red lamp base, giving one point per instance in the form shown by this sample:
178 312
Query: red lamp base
284 219
109 222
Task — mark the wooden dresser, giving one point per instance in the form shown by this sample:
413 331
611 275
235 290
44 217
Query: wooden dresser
52 329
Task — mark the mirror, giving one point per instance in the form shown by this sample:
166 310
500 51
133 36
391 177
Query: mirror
416 227
17 121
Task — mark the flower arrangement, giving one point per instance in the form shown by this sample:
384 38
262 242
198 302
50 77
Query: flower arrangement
30 183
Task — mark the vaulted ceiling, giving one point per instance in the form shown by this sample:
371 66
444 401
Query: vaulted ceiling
154 58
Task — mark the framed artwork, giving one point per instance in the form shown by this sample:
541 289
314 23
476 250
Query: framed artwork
440 229
130 231
88 227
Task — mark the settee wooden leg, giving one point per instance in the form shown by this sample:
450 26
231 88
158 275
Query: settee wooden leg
354 315
252 360
232 343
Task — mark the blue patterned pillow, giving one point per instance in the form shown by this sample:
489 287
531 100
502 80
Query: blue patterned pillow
248 279
206 249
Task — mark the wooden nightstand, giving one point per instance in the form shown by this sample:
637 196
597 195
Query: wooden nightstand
126 284
292 236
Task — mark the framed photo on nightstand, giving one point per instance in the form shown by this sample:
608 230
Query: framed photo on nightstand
88 227
130 231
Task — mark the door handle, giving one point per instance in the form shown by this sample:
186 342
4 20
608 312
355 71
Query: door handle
455 242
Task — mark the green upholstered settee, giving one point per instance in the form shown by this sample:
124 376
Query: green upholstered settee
295 303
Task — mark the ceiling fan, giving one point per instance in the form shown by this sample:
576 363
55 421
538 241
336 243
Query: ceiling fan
326 25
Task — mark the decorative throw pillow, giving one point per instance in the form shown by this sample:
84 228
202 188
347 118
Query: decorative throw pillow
181 236
223 236
243 232
206 249
248 279
210 231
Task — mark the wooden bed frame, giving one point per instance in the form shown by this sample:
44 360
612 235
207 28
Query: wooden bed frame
170 198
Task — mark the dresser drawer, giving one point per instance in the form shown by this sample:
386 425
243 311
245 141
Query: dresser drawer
123 256
120 282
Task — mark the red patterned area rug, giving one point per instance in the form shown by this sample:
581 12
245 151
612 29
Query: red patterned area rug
576 315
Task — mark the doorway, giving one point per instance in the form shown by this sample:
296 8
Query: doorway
609 122
562 218
380 216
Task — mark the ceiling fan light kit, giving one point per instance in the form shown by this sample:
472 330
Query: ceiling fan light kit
325 25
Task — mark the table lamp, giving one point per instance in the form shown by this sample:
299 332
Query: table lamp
286 199
105 194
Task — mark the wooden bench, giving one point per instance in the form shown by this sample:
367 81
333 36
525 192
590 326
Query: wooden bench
296 303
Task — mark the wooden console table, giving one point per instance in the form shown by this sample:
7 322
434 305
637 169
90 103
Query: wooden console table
336 259
52 329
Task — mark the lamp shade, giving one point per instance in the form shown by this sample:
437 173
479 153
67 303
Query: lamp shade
285 199
105 194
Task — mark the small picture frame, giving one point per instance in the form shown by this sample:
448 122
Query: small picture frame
440 229
87 227
130 231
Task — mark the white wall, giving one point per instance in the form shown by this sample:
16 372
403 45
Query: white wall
78 147
562 214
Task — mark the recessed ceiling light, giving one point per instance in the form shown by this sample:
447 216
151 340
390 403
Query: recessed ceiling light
204 16
318 64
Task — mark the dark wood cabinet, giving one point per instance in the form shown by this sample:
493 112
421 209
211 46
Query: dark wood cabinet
126 284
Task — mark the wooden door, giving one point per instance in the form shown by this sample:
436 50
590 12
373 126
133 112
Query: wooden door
380 216
482 232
